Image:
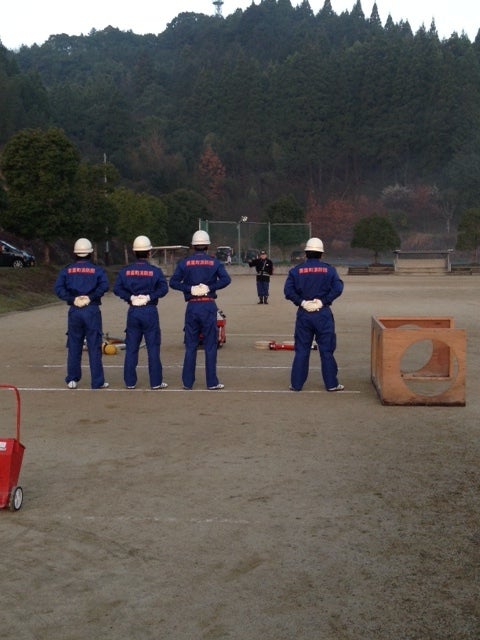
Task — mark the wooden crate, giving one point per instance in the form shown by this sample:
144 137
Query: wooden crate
442 376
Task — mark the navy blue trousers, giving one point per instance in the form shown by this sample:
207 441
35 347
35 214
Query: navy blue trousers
263 287
85 323
142 322
200 318
320 326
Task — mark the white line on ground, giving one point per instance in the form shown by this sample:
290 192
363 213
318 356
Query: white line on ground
166 519
165 366
163 391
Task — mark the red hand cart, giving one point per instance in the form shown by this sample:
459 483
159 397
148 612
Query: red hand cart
11 456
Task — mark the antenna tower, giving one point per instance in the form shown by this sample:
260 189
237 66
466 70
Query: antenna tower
218 7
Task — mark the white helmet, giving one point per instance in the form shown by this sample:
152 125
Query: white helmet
142 243
200 238
314 244
82 247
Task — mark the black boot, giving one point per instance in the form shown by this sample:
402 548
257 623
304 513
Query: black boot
260 301
265 300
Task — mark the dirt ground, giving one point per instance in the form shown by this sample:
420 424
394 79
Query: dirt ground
253 513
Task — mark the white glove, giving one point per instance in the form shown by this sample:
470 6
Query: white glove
140 300
308 305
311 305
199 289
81 301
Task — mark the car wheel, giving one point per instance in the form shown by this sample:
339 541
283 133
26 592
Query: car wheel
17 264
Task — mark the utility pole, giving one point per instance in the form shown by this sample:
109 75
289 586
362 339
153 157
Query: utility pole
242 219
107 243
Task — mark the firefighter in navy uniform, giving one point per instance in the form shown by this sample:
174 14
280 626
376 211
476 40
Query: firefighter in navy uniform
199 277
264 268
141 284
81 285
312 286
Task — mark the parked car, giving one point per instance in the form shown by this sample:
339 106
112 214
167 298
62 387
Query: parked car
10 256
297 256
224 254
250 254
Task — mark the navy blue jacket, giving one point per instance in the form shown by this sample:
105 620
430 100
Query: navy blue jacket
141 278
313 279
200 268
82 278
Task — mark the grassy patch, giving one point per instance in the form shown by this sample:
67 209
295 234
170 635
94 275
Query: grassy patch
22 289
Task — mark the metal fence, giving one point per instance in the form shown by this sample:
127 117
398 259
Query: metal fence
277 238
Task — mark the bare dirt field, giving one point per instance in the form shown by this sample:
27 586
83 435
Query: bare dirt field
252 513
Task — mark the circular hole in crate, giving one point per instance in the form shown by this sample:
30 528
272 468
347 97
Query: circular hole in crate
428 367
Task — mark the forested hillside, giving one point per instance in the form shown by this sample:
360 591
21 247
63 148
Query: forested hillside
349 116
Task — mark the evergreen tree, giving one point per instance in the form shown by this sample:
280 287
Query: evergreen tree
96 217
139 213
375 233
287 224
330 104
40 168
184 209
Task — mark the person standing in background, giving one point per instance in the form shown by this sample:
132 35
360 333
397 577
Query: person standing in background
264 269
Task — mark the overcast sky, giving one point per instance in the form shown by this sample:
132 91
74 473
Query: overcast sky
34 21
